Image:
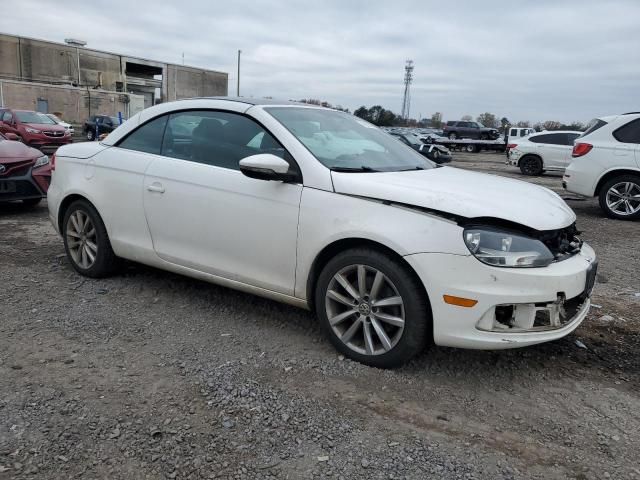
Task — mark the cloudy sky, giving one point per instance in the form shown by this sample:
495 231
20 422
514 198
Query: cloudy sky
526 60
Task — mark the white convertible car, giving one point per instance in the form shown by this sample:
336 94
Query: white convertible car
323 210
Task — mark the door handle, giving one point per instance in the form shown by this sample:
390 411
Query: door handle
155 187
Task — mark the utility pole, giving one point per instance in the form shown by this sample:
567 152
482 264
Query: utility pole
238 85
408 78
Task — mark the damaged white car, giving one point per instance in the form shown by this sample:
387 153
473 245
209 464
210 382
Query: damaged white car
320 209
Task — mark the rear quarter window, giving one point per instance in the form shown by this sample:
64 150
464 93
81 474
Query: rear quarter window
629 133
594 125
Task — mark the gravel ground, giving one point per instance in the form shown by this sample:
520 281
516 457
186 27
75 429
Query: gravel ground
152 375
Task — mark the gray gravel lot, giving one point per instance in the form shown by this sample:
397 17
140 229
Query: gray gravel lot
152 375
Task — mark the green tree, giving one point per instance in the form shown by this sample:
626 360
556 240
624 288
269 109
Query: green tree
436 120
488 120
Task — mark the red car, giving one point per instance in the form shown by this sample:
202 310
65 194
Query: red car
34 129
25 173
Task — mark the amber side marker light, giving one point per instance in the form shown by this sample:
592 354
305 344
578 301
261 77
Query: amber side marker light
459 301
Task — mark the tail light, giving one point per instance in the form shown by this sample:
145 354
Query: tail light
511 145
52 161
580 149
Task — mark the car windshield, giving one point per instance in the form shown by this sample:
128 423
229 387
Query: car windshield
54 118
34 117
115 120
341 141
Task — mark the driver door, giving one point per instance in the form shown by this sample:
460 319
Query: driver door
204 214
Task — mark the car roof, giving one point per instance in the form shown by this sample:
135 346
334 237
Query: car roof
547 132
255 101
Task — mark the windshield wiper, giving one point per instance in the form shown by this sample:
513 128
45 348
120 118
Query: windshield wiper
363 168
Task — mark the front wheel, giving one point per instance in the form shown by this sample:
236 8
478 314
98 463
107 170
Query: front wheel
86 241
620 197
452 136
372 308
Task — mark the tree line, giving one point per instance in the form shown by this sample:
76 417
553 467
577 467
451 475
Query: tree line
382 117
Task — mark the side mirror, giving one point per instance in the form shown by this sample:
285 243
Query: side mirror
266 166
12 136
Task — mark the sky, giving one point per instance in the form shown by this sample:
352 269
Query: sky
536 60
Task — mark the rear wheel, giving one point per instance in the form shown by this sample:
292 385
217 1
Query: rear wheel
372 308
452 136
531 165
620 197
470 148
86 241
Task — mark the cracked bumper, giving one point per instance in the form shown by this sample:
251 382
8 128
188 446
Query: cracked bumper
465 276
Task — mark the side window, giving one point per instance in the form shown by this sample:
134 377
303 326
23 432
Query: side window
571 137
147 138
216 138
513 132
7 117
629 133
540 139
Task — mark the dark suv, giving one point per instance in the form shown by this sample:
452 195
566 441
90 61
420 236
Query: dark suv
105 123
460 129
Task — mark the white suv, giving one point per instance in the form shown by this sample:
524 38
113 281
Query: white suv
606 164
545 151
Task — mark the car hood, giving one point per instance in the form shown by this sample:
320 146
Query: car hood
46 126
11 151
462 193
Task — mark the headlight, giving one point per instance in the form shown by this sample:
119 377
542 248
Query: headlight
43 160
32 130
506 249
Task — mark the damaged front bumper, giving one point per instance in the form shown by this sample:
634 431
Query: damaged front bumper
514 307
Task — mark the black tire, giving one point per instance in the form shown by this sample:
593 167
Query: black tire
31 202
417 332
91 135
531 165
604 191
106 262
470 148
453 136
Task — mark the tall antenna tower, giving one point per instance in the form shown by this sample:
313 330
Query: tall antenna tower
408 78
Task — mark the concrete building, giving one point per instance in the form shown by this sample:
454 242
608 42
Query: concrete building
78 82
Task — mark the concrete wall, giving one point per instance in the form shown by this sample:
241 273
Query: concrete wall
193 82
49 62
74 104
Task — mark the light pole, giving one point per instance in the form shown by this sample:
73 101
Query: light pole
238 84
76 43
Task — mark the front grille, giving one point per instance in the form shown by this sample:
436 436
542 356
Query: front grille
562 243
54 134
23 189
16 169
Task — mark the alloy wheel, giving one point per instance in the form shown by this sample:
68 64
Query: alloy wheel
82 239
365 310
530 166
624 198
